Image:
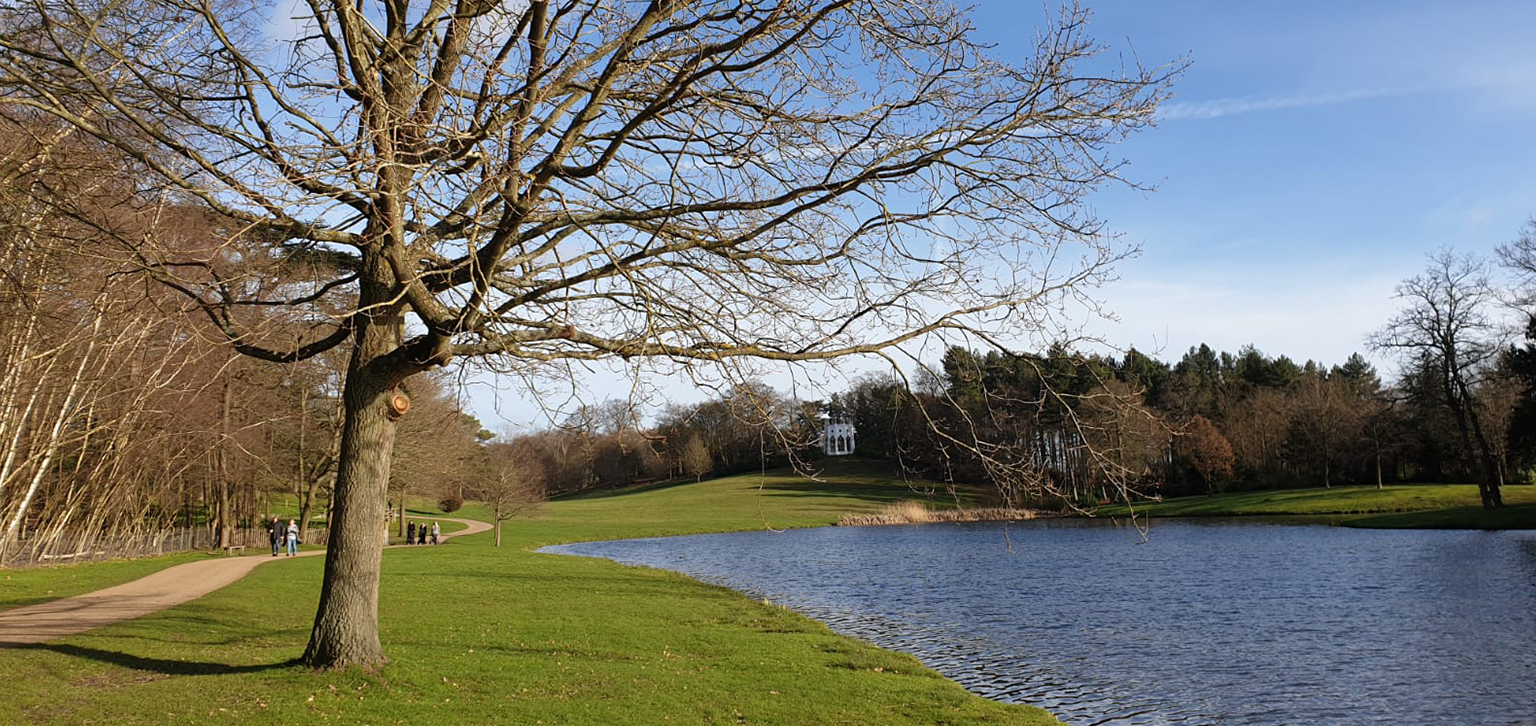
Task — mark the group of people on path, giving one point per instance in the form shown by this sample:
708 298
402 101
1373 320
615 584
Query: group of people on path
418 535
280 535
289 536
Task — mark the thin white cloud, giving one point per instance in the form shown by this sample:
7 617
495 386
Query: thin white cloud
289 21
1234 106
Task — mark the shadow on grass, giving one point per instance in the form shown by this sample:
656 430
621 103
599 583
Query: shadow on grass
881 493
26 601
621 491
1515 516
823 468
635 578
156 665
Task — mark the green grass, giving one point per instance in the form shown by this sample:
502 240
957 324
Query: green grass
1403 505
484 635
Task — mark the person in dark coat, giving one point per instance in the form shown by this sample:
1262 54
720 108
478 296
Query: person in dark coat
410 533
275 532
421 535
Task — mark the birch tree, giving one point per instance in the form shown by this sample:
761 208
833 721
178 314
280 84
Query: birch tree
539 182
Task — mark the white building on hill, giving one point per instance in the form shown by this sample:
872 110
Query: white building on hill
837 438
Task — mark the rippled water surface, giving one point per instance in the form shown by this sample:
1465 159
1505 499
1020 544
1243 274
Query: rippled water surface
1204 623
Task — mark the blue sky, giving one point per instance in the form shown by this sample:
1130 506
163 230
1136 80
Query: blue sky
1313 155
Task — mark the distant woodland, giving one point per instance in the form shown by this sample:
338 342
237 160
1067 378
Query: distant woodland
1072 429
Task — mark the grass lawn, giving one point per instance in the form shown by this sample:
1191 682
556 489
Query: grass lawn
485 635
1450 506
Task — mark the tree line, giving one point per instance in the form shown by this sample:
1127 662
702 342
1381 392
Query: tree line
1072 429
1086 426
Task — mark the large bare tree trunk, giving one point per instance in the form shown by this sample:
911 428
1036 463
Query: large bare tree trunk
346 630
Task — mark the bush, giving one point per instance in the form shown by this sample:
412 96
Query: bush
450 503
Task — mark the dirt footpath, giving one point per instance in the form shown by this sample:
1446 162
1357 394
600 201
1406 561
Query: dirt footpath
166 588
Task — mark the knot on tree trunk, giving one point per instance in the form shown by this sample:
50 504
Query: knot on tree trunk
398 403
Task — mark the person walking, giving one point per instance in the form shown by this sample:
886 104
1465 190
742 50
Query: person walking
275 533
293 538
436 530
421 536
410 532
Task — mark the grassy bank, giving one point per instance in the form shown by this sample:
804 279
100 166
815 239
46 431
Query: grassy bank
1448 506
484 635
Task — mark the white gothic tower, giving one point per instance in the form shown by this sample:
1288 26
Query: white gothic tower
837 438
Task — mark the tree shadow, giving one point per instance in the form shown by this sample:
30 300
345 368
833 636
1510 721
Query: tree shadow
156 665
621 490
879 493
28 601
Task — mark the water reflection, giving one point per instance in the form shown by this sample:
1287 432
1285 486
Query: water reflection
1235 624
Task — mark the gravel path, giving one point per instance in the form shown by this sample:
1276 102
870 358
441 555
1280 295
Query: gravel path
166 588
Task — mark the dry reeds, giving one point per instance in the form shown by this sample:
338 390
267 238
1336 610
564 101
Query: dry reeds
914 512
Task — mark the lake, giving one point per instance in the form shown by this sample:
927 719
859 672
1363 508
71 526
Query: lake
1202 622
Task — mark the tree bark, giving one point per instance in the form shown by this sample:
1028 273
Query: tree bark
346 631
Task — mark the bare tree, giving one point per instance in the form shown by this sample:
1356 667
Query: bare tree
512 486
1131 439
1444 328
540 183
694 459
1326 418
1519 257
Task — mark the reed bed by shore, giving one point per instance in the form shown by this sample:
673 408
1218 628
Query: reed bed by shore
913 512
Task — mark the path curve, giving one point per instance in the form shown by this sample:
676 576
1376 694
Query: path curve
152 593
